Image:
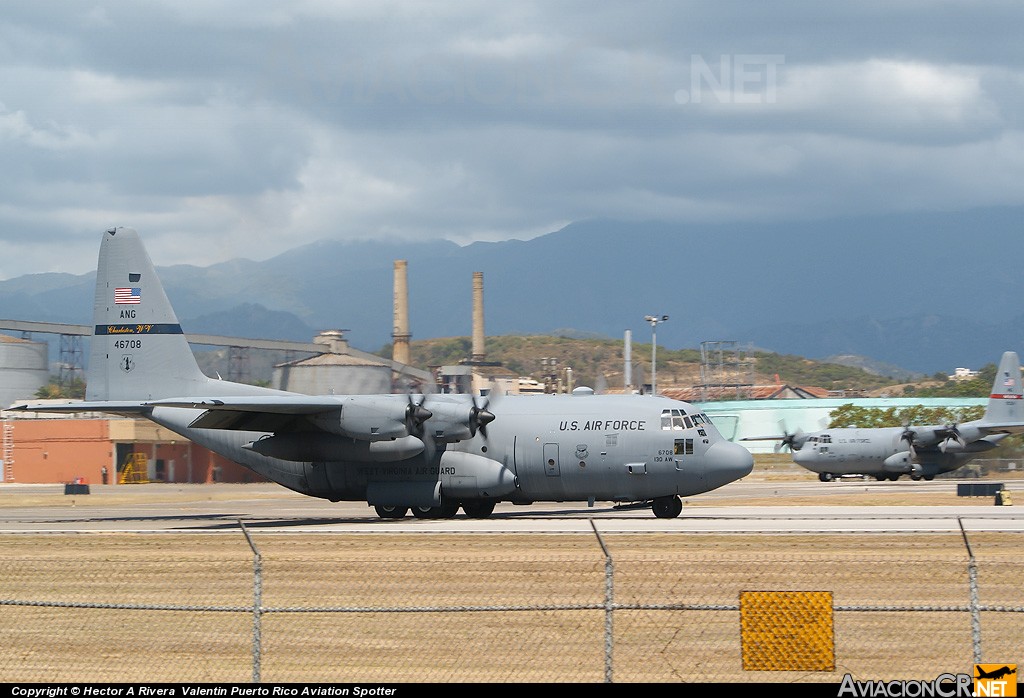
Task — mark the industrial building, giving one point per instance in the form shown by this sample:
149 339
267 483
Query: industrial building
24 368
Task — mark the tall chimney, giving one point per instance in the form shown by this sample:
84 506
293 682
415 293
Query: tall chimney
478 317
627 358
400 333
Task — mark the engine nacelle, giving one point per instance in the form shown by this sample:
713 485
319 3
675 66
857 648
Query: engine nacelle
455 421
470 475
368 418
308 447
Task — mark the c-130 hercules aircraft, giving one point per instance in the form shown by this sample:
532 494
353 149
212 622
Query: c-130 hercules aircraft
429 453
920 451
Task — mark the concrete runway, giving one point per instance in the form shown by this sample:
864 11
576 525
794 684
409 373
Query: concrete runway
796 506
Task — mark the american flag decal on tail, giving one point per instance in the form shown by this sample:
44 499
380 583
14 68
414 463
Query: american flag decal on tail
130 296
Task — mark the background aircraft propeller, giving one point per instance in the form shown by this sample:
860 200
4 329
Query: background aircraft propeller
909 435
791 440
952 434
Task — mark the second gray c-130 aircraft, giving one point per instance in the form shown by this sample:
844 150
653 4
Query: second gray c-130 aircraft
922 451
431 453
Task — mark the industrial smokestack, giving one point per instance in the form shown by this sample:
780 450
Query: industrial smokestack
479 354
400 333
627 358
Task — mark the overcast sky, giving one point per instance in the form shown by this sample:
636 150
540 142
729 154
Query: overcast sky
244 128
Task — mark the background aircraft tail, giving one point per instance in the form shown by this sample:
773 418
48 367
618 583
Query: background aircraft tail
138 350
1006 402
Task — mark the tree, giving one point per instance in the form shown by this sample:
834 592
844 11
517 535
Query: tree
850 415
75 390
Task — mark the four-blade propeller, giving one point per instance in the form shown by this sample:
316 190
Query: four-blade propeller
909 435
479 418
416 415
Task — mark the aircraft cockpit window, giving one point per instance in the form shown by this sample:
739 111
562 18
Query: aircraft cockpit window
826 439
678 420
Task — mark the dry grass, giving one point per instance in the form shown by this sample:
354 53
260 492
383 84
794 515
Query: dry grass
511 608
408 607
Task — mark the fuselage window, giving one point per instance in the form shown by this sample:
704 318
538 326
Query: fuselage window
683 447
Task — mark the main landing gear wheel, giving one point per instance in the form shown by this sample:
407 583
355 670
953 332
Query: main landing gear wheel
826 477
915 476
667 507
446 511
478 508
388 511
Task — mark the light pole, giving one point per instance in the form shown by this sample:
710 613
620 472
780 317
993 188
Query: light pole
654 320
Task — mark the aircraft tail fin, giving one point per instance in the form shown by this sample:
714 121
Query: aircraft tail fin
138 350
1006 402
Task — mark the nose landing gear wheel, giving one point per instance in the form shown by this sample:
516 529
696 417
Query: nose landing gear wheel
667 507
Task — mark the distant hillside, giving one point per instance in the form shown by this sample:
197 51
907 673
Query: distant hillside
921 293
599 363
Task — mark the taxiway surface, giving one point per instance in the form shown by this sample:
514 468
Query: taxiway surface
786 506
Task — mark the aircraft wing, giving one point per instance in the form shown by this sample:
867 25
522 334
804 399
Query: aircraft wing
249 413
269 413
1003 428
133 407
274 404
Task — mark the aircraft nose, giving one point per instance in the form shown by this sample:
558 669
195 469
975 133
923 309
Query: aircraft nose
726 462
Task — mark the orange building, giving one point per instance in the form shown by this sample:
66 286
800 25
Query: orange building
108 451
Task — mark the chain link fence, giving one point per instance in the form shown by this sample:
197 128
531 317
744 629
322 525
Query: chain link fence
238 606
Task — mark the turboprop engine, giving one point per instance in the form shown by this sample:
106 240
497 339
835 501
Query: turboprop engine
376 418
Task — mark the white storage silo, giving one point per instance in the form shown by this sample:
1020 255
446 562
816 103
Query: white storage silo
23 369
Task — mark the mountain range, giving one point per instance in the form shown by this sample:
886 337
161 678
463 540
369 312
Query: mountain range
921 292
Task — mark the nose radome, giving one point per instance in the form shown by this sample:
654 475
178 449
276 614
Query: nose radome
726 462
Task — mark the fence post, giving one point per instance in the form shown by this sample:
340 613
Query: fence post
972 578
609 602
257 603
